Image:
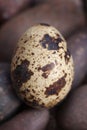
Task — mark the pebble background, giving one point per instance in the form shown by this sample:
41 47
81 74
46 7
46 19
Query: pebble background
70 18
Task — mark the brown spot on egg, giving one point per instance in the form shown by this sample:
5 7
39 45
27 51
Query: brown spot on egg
45 75
60 55
51 43
48 67
25 41
44 24
22 48
33 90
67 56
43 104
30 37
54 52
56 87
25 91
21 74
32 53
37 45
31 102
39 68
31 96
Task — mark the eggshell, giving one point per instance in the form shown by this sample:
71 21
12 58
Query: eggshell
42 67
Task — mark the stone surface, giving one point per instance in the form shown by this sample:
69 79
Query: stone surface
77 45
28 120
9 8
52 124
72 114
9 103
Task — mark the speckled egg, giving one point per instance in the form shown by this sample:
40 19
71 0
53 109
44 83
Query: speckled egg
42 68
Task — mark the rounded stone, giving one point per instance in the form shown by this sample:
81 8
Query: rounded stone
72 114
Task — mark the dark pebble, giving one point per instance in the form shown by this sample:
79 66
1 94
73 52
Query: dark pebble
72 114
28 120
77 45
9 103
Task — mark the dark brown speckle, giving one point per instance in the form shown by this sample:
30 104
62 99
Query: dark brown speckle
56 87
32 53
54 52
30 37
44 24
48 56
24 92
21 74
33 90
50 43
67 56
25 41
48 67
45 75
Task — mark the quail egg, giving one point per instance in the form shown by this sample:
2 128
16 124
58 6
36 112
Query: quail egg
42 68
